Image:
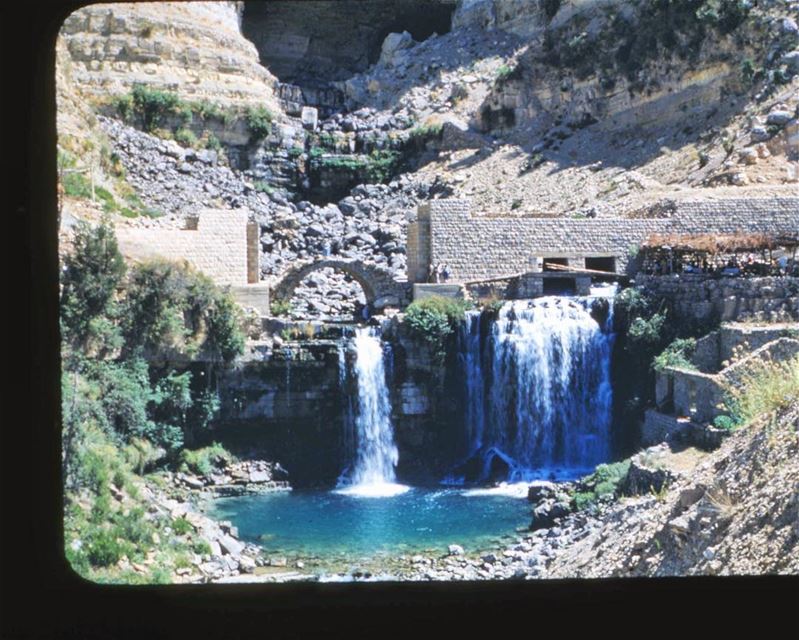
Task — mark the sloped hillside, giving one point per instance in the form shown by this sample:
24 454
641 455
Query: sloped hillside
735 513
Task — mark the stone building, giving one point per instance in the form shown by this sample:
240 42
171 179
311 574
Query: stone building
480 247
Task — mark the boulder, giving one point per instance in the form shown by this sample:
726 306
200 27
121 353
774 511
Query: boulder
779 117
545 514
230 545
260 476
642 479
247 564
310 118
393 51
540 490
455 550
791 60
759 134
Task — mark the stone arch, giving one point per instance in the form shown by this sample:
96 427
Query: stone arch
377 282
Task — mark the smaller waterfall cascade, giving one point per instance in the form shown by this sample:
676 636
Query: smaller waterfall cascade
376 455
538 396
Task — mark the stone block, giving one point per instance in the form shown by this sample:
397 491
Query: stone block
310 118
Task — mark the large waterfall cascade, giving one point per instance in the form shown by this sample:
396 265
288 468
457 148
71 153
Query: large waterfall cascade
369 421
537 387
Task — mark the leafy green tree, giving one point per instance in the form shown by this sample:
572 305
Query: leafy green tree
92 273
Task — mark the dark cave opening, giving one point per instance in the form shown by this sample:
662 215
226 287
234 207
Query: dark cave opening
313 43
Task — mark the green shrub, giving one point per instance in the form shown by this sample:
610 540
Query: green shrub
725 422
212 142
259 121
76 184
263 187
153 105
186 137
125 106
426 132
602 484
280 307
92 272
181 526
201 547
504 72
748 70
103 549
434 320
382 165
677 354
170 308
204 461
584 500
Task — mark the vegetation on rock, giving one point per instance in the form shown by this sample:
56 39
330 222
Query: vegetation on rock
767 387
121 414
433 320
677 354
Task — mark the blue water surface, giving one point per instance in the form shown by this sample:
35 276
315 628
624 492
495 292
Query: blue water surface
321 523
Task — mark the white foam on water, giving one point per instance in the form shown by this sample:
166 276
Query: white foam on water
512 490
373 490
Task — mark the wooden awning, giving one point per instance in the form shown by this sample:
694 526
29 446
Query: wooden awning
719 243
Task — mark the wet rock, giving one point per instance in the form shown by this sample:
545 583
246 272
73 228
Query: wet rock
455 550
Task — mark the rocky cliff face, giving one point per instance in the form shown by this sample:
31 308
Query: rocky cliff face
735 513
581 108
195 49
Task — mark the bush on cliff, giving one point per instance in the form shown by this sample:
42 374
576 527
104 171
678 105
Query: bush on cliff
434 319
677 354
173 310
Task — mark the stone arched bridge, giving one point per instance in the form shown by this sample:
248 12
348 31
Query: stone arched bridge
380 286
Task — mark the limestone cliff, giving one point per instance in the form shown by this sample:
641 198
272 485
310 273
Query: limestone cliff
195 49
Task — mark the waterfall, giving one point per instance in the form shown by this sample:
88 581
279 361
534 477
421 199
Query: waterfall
537 386
376 455
470 361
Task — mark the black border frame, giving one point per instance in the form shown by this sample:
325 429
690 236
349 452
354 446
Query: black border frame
43 598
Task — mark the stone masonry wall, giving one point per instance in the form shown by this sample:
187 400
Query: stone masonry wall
478 247
726 299
217 247
701 395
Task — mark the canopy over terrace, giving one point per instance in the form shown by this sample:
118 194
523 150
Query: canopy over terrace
668 252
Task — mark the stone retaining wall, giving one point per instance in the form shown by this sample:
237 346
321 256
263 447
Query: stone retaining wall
719 346
478 247
217 246
701 395
726 299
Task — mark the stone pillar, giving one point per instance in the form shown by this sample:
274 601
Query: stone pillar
253 253
418 245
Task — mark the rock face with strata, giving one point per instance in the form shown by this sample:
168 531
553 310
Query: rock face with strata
195 49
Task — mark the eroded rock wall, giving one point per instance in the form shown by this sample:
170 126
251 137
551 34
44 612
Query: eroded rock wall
193 48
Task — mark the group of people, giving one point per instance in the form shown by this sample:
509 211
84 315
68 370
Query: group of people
747 265
438 273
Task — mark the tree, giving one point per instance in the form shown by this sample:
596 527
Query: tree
91 275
